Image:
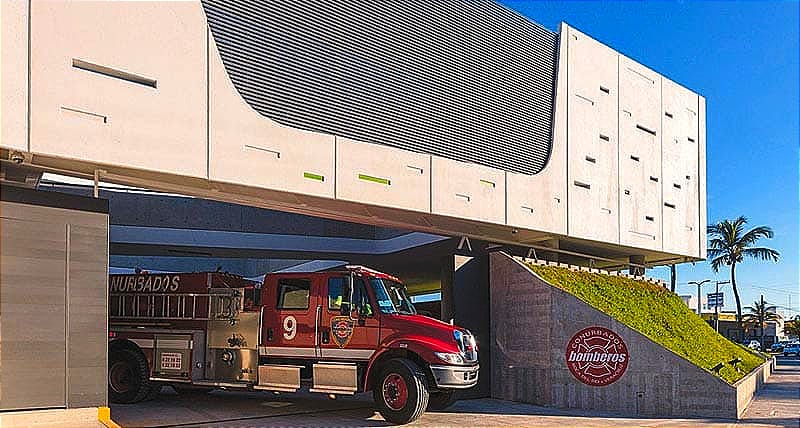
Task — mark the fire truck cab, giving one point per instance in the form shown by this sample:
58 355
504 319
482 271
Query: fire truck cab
335 332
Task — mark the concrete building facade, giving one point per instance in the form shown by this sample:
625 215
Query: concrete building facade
608 158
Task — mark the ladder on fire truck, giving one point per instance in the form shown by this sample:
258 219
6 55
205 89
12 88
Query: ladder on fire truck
222 304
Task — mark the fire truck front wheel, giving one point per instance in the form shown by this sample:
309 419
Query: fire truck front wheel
442 399
128 376
401 392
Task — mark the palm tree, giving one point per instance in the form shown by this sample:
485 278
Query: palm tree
729 244
792 327
759 314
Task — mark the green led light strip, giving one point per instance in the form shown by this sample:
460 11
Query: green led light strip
372 179
312 176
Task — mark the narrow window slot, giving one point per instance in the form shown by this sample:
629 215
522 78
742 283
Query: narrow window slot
641 75
688 177
645 129
606 210
604 89
654 179
262 149
85 114
312 176
463 196
111 72
605 137
372 179
627 192
582 184
691 140
590 101
627 112
676 185
591 159
488 183
668 114
528 210
415 168
669 205
635 158
649 218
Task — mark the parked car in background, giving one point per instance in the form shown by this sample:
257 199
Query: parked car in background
754 345
792 349
778 346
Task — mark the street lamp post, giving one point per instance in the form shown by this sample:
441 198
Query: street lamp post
716 307
698 284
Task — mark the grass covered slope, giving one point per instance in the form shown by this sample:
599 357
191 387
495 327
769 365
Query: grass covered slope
656 313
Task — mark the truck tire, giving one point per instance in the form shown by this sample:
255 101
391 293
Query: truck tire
400 391
441 399
128 376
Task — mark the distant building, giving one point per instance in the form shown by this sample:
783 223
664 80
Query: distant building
691 302
729 328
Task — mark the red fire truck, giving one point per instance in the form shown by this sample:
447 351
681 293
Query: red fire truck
336 332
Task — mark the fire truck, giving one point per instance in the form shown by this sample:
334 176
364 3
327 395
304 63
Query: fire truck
337 332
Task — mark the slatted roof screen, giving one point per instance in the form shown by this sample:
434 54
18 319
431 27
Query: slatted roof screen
470 81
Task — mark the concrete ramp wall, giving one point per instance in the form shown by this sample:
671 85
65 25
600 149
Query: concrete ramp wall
532 325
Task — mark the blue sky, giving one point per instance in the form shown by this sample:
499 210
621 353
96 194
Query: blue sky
743 57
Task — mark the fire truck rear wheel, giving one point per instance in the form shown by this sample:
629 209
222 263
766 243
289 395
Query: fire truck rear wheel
400 391
128 376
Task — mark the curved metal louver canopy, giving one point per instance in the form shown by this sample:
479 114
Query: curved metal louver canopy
470 81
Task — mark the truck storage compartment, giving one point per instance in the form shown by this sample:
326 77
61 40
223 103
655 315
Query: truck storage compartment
278 377
172 356
335 378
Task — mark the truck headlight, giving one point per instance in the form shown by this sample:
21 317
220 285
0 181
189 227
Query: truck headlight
450 358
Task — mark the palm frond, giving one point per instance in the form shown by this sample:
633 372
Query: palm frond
753 235
762 253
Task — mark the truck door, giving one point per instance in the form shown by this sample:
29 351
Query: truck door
348 334
289 319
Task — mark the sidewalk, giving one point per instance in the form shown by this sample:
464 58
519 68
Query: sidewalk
778 403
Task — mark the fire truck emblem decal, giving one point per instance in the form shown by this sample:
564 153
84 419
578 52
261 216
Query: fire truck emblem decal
342 329
597 356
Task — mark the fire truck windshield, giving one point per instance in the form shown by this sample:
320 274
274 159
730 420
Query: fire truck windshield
392 297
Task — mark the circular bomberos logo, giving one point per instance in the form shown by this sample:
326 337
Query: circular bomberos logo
597 356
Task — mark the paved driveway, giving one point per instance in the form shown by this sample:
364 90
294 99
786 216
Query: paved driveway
777 405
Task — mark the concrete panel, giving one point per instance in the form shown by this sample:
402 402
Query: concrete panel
539 201
467 190
247 148
532 323
592 140
34 345
640 174
120 83
87 329
701 175
680 157
54 307
382 175
14 78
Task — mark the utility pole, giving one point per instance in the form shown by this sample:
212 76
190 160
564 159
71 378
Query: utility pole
716 307
762 320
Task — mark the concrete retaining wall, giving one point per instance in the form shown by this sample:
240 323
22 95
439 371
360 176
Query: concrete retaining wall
532 323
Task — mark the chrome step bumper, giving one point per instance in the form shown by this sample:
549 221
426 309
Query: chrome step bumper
455 377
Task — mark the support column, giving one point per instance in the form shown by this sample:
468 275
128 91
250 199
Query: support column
446 276
633 270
